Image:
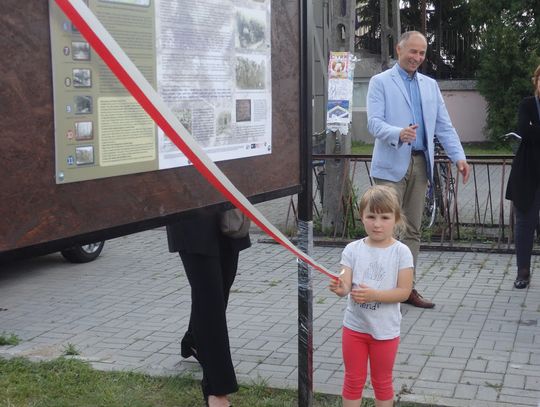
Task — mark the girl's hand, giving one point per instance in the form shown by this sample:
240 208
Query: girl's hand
363 294
338 287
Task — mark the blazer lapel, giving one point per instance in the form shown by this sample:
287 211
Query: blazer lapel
399 83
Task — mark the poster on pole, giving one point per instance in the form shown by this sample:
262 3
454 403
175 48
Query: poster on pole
210 61
340 91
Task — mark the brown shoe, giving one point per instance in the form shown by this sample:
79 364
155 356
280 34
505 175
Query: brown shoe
416 300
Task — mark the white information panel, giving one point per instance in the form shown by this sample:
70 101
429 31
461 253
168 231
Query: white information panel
209 60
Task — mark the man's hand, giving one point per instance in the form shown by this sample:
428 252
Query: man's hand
408 134
463 168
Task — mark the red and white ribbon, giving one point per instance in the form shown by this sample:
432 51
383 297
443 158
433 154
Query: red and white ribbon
128 74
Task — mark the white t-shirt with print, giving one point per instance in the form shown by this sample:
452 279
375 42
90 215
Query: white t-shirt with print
377 268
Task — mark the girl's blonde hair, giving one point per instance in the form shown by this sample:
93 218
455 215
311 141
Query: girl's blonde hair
383 199
535 79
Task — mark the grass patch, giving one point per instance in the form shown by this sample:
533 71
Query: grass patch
74 383
10 339
273 283
484 148
71 350
359 147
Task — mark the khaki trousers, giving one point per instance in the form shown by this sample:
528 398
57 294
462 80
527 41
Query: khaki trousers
411 190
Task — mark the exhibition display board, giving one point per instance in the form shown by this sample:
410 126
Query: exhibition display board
209 61
74 165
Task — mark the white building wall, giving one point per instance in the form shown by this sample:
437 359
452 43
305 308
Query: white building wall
467 109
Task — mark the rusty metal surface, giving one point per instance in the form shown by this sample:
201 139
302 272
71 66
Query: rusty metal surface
34 209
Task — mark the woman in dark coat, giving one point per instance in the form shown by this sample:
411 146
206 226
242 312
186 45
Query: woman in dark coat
210 260
523 187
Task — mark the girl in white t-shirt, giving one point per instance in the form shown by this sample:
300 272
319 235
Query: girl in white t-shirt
377 274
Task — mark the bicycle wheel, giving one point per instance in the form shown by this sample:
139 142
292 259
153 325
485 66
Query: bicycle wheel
445 189
430 209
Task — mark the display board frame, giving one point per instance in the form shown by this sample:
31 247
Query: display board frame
37 211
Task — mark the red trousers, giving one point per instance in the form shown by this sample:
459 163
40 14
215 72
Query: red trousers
358 348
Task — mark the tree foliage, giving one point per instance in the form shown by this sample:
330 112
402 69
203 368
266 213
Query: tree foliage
452 51
509 53
496 42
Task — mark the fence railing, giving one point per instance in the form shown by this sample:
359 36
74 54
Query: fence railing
471 216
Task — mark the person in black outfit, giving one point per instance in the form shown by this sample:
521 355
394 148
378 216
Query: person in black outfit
210 260
523 187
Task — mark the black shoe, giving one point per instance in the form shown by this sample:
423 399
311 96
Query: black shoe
521 283
523 278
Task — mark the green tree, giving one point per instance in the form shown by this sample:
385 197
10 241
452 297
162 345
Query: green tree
368 21
452 39
453 50
494 41
509 53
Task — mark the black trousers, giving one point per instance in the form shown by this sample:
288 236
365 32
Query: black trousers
211 278
524 232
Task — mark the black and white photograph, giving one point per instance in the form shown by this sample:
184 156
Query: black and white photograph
84 131
250 73
82 78
84 155
250 29
223 124
243 110
83 104
80 51
185 116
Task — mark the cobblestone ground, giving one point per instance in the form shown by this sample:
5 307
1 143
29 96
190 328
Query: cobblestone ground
480 346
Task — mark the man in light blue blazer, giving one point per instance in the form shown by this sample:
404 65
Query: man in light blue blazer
405 111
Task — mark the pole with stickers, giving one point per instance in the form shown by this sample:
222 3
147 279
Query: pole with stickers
338 139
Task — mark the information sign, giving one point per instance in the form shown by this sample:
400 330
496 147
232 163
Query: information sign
209 60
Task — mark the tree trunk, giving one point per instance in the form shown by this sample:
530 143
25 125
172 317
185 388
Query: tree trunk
336 184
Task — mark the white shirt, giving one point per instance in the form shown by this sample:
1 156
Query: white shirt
378 268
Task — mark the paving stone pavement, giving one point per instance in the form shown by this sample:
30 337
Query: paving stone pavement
127 310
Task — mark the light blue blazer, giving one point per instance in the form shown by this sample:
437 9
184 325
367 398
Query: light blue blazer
389 109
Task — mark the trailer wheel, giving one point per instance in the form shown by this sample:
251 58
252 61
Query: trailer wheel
83 253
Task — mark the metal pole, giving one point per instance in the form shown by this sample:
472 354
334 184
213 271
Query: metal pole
305 210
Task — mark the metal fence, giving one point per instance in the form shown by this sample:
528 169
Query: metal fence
471 216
